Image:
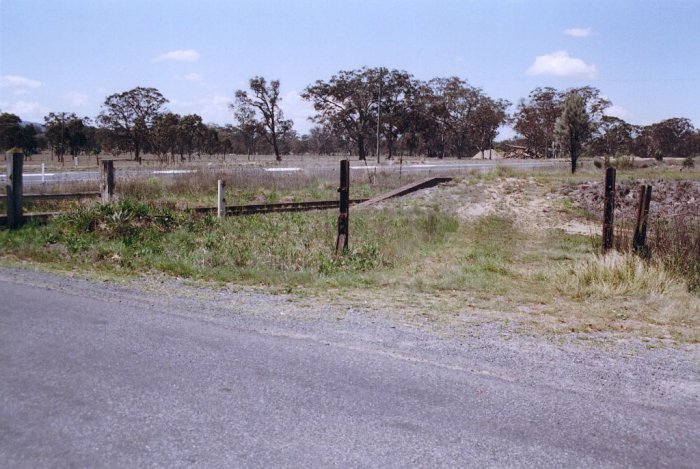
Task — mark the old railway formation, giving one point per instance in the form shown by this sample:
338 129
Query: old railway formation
237 210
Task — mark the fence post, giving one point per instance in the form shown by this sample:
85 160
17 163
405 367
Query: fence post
344 216
221 198
14 189
107 181
640 230
609 210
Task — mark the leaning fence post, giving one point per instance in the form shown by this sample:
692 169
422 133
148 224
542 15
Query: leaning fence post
609 209
221 199
640 231
13 188
107 181
344 216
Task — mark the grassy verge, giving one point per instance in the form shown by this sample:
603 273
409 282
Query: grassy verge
417 260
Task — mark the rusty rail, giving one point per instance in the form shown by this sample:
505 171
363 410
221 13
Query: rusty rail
233 210
66 196
407 189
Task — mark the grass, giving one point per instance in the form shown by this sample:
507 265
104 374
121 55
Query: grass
418 260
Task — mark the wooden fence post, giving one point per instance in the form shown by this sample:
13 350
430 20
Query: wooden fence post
107 181
221 198
13 188
640 230
609 210
344 216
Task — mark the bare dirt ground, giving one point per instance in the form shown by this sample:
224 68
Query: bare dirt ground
530 203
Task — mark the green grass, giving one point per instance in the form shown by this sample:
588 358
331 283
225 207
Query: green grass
416 257
283 249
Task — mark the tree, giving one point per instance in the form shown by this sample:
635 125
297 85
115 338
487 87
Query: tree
10 131
673 137
347 104
489 115
573 127
131 115
66 132
535 119
613 136
265 100
249 128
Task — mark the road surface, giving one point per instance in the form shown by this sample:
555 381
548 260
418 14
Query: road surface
95 375
34 178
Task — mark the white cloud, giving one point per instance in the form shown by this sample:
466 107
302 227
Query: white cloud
193 77
26 110
75 98
15 81
618 111
183 55
561 64
578 32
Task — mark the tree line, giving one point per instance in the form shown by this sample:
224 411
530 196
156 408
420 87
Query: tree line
363 112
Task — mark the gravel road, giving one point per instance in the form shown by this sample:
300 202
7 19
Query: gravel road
162 373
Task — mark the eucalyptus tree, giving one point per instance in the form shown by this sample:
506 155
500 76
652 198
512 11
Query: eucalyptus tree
613 136
671 138
489 115
165 137
535 119
396 89
130 115
10 131
347 104
265 100
67 132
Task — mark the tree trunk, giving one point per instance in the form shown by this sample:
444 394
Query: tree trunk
361 148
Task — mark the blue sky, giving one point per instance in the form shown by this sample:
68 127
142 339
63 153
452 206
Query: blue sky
68 55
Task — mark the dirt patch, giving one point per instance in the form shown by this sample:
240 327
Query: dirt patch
531 204
670 198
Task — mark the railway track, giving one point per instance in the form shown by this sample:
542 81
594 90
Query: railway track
233 210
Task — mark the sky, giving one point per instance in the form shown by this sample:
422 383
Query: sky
69 55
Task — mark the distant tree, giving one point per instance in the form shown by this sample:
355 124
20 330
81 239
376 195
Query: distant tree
30 142
347 104
10 131
192 132
673 137
249 129
535 117
489 115
613 136
265 99
165 136
131 115
573 127
66 132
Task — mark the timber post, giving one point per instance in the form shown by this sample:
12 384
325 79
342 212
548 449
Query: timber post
14 189
107 180
609 210
221 198
341 242
640 230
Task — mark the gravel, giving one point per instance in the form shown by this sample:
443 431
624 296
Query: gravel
647 371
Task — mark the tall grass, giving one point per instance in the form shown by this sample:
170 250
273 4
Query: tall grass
277 249
673 243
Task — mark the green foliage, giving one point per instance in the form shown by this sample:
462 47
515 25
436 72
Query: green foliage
573 127
281 248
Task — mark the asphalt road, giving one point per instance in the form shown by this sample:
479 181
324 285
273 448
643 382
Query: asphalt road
87 380
34 178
